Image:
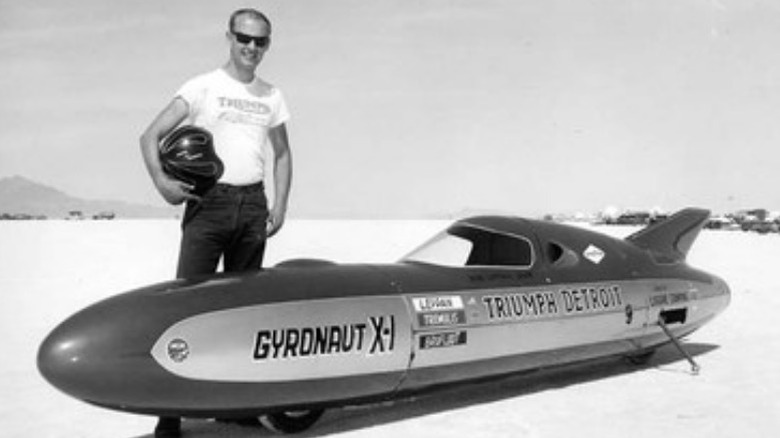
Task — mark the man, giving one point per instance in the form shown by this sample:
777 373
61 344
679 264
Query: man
244 114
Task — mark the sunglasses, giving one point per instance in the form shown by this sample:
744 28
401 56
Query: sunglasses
245 39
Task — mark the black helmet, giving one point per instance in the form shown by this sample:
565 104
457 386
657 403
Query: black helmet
188 155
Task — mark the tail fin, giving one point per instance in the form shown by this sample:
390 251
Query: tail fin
672 238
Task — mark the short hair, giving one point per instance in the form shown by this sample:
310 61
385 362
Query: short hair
254 13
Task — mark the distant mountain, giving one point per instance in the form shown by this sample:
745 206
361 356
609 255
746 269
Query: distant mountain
20 196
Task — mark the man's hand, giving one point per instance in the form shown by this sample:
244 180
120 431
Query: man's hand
174 191
274 222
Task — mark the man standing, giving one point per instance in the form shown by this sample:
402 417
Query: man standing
244 114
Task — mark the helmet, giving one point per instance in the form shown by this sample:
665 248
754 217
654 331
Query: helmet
187 154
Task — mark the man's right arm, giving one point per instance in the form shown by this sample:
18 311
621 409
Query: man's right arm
173 191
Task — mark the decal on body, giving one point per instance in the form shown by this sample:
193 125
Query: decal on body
594 254
442 340
375 336
669 298
439 311
290 341
511 306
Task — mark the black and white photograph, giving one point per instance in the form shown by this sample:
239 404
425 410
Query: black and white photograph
346 218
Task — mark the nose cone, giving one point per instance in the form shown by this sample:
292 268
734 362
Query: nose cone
85 355
60 355
102 354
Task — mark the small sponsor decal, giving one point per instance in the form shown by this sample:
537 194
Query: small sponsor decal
439 310
442 319
658 300
375 336
594 254
442 340
669 298
542 304
178 350
437 303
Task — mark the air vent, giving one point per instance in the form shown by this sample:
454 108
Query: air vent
672 316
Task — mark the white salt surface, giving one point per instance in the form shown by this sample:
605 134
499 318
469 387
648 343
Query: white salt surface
51 269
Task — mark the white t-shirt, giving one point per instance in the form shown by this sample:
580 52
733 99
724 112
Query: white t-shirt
239 116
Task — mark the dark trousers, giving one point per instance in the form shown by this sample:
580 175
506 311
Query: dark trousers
228 223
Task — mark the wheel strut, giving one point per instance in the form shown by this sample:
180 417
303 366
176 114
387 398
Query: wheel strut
694 366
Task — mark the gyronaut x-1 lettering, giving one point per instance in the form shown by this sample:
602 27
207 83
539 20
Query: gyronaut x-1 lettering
376 336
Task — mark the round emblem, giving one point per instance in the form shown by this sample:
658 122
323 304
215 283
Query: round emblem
178 350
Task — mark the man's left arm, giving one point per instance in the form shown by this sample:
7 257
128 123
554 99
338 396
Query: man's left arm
282 177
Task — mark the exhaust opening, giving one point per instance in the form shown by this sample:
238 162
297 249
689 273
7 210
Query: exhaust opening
672 316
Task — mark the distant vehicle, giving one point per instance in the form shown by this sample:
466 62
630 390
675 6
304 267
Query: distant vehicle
633 218
75 215
760 226
104 215
658 217
21 217
722 223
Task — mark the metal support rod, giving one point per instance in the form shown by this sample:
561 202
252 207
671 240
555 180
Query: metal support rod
694 366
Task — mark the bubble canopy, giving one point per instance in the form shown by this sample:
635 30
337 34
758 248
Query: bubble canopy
466 244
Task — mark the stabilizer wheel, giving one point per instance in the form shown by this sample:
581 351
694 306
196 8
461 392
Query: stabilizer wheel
291 421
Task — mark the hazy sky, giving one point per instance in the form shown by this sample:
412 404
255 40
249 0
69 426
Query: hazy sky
421 108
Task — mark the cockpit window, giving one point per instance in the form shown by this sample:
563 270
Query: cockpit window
469 245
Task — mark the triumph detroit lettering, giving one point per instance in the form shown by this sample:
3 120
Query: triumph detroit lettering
533 305
375 336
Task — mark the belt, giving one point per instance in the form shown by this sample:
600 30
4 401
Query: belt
228 188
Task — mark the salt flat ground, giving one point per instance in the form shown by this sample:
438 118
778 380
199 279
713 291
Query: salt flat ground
50 269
